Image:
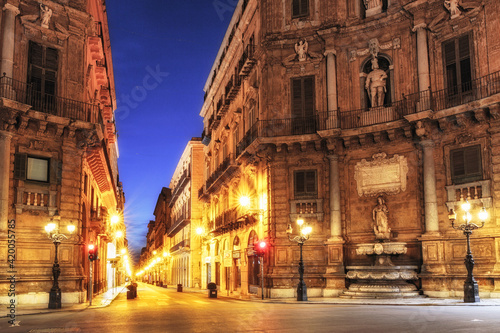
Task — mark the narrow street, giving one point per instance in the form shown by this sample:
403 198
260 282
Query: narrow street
165 310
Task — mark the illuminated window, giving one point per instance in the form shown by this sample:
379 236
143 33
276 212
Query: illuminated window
34 168
37 169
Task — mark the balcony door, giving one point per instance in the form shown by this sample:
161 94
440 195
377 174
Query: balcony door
303 120
42 76
458 69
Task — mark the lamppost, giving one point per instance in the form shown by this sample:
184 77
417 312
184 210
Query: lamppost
300 239
471 289
52 230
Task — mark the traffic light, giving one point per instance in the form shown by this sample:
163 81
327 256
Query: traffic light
92 252
261 248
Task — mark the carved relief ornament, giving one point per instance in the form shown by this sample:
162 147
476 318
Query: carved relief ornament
374 47
381 175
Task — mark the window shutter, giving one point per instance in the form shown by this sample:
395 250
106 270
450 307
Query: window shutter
472 157
36 54
295 8
308 96
51 60
304 7
311 182
449 53
466 165
299 182
457 163
463 47
20 166
297 98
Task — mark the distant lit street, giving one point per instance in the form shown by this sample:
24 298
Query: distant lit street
165 310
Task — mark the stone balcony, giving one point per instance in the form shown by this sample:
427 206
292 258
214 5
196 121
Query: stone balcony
477 193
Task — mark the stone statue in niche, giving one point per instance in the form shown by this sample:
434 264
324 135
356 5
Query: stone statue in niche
453 6
301 49
380 219
376 84
45 15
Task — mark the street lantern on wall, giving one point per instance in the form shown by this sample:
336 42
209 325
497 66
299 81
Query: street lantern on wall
304 232
471 289
52 230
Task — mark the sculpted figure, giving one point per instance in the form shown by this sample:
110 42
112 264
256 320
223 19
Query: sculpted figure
453 7
45 15
376 84
301 49
374 47
381 227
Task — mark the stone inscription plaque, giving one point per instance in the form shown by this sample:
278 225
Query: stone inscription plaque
382 175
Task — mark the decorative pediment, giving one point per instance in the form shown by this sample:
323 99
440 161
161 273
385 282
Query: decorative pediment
33 30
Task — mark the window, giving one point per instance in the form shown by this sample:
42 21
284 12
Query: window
300 8
457 63
38 169
33 168
466 164
303 121
305 183
42 75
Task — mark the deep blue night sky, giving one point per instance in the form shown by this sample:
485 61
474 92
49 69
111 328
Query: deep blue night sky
163 51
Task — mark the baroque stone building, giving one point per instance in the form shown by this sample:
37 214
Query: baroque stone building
173 253
315 109
58 149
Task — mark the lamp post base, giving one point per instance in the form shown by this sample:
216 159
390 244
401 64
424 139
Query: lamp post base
471 292
301 292
55 298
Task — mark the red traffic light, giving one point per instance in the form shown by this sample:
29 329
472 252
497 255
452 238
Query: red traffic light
92 252
261 248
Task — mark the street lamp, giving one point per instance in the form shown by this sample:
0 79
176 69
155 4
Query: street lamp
471 289
52 231
300 239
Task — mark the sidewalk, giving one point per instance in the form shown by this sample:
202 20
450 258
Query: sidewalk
98 301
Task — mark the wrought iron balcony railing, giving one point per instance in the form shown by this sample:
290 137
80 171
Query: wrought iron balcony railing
58 106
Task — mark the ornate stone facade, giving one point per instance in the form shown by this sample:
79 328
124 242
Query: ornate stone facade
288 120
58 147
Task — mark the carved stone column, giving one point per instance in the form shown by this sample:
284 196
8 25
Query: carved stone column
335 217
5 138
430 197
9 18
331 75
422 57
335 276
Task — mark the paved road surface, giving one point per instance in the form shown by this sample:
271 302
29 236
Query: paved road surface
164 310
